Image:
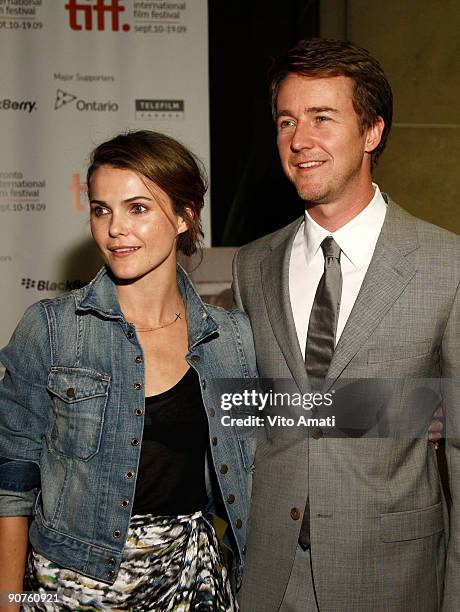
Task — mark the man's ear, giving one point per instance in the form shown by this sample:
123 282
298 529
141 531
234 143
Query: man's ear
374 135
185 220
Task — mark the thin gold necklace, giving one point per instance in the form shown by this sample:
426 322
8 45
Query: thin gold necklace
148 329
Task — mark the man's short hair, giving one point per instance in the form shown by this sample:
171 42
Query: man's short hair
324 57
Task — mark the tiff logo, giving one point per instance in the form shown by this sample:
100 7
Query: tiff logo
99 8
77 188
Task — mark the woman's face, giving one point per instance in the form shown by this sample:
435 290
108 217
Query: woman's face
135 227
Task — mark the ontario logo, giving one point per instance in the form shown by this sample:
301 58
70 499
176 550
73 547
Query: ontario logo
47 285
81 15
64 98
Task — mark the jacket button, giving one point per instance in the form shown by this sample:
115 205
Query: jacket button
196 358
138 412
116 534
203 384
231 498
317 433
244 549
138 359
129 474
223 468
111 561
238 523
214 441
124 503
295 514
137 386
110 574
134 442
212 412
70 392
130 335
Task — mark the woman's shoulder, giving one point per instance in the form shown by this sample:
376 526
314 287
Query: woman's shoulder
66 302
236 323
38 317
230 317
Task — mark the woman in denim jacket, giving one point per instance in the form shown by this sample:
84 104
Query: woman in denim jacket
110 401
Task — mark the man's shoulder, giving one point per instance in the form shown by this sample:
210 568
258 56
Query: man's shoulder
269 241
440 237
430 236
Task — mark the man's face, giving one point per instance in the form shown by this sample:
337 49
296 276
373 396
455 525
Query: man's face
320 142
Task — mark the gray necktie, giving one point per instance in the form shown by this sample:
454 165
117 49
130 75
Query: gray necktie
321 336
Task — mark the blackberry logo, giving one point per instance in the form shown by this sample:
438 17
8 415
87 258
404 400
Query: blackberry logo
28 283
47 285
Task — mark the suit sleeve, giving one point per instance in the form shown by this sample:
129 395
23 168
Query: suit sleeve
451 400
237 302
25 407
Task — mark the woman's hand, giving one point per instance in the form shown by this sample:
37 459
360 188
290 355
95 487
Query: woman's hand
13 551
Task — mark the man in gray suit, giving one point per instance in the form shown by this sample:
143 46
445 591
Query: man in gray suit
355 289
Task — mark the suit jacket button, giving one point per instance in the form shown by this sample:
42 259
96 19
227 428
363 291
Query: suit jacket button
295 514
70 392
195 358
116 534
317 433
214 441
111 561
238 523
223 468
231 498
110 574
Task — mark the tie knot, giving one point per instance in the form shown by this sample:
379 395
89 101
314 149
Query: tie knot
330 248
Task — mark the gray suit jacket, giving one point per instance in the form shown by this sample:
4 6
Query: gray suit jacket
379 523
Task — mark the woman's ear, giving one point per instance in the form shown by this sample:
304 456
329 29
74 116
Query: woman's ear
184 220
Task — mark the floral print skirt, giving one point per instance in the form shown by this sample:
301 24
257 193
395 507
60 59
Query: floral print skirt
169 564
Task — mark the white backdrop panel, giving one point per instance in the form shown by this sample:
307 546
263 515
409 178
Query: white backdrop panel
74 73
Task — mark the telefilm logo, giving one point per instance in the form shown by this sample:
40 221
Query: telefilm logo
47 285
159 109
99 14
63 98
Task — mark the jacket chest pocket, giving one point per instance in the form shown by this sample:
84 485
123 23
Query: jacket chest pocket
79 400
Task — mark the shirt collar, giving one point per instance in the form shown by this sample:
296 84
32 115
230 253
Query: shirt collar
356 239
100 296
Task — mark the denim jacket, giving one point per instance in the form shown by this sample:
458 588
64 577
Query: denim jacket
72 412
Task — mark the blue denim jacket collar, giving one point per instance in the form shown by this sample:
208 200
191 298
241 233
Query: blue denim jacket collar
101 297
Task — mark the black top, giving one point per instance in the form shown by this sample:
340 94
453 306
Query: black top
171 477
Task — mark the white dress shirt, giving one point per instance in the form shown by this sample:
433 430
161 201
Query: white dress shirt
356 239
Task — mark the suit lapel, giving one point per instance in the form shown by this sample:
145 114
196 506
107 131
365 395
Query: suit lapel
275 285
387 276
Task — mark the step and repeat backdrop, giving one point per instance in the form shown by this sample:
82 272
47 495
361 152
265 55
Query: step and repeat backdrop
74 73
